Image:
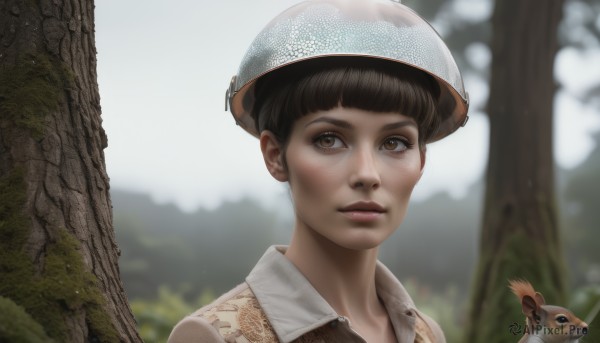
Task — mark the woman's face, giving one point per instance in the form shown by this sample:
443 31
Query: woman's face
351 174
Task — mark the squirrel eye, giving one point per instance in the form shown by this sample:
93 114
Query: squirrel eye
562 319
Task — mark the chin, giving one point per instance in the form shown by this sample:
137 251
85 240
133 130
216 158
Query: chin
361 241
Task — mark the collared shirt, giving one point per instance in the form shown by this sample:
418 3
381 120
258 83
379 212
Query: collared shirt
278 304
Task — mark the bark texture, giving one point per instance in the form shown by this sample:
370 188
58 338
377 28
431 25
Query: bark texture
520 234
58 254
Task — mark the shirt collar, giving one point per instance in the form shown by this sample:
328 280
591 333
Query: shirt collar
293 307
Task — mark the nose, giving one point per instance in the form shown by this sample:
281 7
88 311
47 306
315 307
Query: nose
364 172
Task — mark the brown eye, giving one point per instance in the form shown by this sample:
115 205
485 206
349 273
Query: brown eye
394 144
329 141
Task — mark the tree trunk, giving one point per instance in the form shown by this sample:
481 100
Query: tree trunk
520 234
58 254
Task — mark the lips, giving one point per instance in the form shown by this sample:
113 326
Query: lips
363 206
363 212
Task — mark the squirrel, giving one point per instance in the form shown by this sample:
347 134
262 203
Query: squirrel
546 323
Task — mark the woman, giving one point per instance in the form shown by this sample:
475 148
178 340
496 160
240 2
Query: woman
343 96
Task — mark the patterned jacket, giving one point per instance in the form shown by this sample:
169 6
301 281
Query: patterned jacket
277 304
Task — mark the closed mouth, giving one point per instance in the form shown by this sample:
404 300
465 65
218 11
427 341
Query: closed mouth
363 206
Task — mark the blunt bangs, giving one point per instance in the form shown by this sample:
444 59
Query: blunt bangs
320 85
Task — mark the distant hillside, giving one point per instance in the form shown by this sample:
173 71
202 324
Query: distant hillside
161 245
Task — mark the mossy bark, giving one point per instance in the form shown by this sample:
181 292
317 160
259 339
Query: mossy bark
17 326
520 234
58 254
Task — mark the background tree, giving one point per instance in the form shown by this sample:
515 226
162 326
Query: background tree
520 234
58 254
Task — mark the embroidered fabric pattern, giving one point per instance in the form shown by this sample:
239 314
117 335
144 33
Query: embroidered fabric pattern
254 324
240 319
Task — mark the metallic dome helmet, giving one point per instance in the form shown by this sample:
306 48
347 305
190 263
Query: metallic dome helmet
379 29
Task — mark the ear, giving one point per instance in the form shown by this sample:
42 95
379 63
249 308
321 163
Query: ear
273 155
531 309
539 299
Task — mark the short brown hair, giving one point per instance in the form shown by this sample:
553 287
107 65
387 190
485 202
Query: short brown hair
291 92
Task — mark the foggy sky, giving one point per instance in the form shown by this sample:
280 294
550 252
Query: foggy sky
163 68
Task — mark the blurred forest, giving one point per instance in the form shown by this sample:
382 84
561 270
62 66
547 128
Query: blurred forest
173 262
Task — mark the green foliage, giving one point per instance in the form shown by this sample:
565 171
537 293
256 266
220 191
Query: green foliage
156 318
63 285
31 89
17 326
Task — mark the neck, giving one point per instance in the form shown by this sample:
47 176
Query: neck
345 278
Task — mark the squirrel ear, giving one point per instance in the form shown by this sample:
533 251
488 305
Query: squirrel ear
539 299
530 307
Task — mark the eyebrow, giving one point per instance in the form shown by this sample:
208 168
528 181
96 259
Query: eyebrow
336 122
399 124
347 125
